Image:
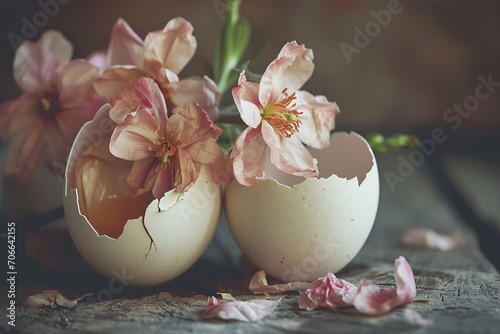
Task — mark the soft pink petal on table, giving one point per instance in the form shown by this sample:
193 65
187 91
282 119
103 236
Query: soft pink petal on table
51 298
328 291
258 284
427 238
373 300
251 310
367 298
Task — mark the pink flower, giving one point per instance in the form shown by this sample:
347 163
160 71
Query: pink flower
161 56
167 151
328 291
58 99
281 117
373 300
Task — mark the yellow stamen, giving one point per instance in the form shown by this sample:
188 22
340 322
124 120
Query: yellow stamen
163 151
283 116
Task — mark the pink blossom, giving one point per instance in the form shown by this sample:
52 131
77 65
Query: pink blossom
167 151
328 291
58 99
252 310
281 117
161 56
373 300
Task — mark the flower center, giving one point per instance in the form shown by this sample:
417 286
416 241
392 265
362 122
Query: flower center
49 105
163 151
282 116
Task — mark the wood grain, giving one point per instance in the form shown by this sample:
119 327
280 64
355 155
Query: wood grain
457 291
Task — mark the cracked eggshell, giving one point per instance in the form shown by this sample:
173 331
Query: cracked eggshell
299 230
180 224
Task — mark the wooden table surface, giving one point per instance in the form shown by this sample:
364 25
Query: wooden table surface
457 291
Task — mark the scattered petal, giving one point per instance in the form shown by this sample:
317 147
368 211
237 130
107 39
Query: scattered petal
258 284
251 310
51 298
427 238
415 319
367 298
328 291
373 300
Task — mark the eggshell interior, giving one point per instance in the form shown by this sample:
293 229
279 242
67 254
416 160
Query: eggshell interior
299 230
157 247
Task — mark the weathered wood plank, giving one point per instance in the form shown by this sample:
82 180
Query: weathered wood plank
457 291
477 177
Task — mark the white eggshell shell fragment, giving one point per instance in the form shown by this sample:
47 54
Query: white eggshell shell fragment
180 224
299 230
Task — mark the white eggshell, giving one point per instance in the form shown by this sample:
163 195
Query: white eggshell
299 230
181 226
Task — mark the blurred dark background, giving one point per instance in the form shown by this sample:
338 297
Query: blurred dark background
427 58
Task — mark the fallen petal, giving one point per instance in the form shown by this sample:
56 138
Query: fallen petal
51 298
251 310
258 284
415 319
373 300
328 291
427 238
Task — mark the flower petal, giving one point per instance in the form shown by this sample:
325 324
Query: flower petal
132 138
164 182
173 47
140 173
373 300
288 154
427 238
290 70
77 82
51 298
405 281
246 97
249 156
36 63
99 60
200 90
190 123
19 116
203 151
258 284
125 47
116 78
222 169
328 291
252 310
141 94
318 119
186 171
